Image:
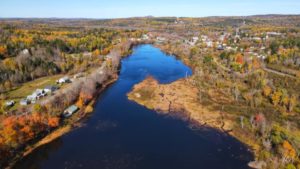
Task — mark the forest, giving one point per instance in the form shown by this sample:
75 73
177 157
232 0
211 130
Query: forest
27 54
253 62
33 54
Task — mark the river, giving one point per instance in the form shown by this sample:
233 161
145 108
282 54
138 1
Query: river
121 134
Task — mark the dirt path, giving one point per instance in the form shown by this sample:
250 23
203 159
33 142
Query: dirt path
265 69
278 73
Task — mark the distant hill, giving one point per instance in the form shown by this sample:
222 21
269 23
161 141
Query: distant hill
137 22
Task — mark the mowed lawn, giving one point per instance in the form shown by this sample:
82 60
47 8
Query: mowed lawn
28 88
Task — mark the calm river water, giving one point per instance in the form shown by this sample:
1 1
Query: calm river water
121 134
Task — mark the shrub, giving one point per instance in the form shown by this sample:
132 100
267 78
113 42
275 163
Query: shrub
277 135
89 109
207 59
290 166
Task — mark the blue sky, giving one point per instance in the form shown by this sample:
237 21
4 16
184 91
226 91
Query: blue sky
130 8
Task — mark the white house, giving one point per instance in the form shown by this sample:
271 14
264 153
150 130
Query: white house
24 102
36 95
160 39
10 103
204 38
64 80
274 34
222 38
25 51
50 89
220 47
33 97
209 43
263 57
78 75
145 37
256 38
195 39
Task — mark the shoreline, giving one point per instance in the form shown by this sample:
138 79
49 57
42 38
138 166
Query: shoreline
252 145
64 129
74 123
167 100
69 126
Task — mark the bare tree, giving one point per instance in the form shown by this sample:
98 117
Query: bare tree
236 92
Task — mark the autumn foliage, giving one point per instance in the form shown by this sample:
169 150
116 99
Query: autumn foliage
289 153
3 50
96 52
80 102
53 121
17 130
267 91
239 59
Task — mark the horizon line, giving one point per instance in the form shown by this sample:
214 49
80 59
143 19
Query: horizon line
151 16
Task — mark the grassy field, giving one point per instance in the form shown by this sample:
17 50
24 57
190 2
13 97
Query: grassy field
26 89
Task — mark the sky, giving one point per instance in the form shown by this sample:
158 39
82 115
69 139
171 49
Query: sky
133 8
